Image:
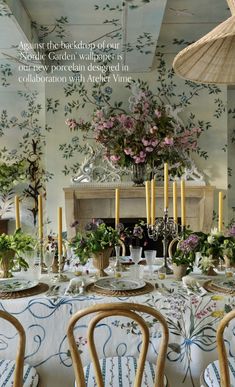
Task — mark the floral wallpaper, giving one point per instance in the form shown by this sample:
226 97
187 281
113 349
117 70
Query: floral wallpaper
33 128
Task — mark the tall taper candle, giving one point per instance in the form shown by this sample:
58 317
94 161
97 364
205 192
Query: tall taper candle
153 201
165 186
117 206
147 194
220 221
60 231
175 210
40 218
183 203
17 212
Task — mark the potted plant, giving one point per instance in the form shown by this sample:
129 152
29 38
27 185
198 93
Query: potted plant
11 249
97 242
184 256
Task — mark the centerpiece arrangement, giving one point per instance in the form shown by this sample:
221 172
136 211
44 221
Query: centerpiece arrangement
12 248
213 248
146 134
184 256
97 241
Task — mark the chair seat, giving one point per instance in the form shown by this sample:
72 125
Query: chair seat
7 368
211 375
120 372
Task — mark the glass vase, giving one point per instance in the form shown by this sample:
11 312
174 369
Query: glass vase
139 174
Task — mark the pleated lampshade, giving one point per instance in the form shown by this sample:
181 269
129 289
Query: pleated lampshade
212 58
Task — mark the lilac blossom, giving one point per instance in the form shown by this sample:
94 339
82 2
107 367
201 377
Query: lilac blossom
188 245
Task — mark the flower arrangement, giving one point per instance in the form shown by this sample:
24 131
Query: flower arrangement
206 264
136 236
97 237
145 134
185 252
19 243
211 244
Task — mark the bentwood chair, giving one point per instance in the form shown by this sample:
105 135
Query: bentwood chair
119 371
17 373
220 373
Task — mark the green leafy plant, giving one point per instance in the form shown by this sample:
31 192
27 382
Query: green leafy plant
20 243
11 175
96 237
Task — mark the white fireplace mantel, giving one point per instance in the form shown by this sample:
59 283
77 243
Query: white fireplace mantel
86 201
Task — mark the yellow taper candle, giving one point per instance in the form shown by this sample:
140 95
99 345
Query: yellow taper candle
165 185
17 212
117 206
40 218
220 221
153 201
60 231
147 194
183 203
175 210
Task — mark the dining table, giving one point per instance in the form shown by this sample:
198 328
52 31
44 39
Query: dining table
192 316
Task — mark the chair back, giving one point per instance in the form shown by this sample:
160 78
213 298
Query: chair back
19 368
222 355
129 310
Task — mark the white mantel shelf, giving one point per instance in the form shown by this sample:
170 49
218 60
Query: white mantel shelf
86 201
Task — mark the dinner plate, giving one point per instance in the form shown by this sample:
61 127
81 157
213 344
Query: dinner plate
15 285
113 283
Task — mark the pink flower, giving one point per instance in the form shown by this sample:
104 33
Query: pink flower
154 143
108 124
149 149
153 129
145 142
158 113
168 141
128 151
115 158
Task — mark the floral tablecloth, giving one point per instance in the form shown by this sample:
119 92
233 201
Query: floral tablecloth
192 322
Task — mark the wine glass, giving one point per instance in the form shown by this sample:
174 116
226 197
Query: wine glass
150 256
48 258
136 253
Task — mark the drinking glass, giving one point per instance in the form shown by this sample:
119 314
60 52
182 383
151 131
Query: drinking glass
150 256
48 258
158 263
136 253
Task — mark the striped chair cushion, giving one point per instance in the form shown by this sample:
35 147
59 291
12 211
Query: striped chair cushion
211 375
7 368
120 372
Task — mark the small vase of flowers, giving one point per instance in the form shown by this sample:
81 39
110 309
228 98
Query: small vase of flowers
184 256
97 242
12 248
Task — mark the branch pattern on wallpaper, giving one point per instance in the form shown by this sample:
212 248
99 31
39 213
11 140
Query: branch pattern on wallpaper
77 95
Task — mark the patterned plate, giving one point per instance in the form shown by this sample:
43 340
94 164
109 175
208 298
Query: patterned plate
15 285
112 283
225 286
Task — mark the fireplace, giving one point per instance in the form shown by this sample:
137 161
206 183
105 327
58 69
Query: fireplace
93 200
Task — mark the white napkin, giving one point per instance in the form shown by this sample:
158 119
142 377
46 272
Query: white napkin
192 286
